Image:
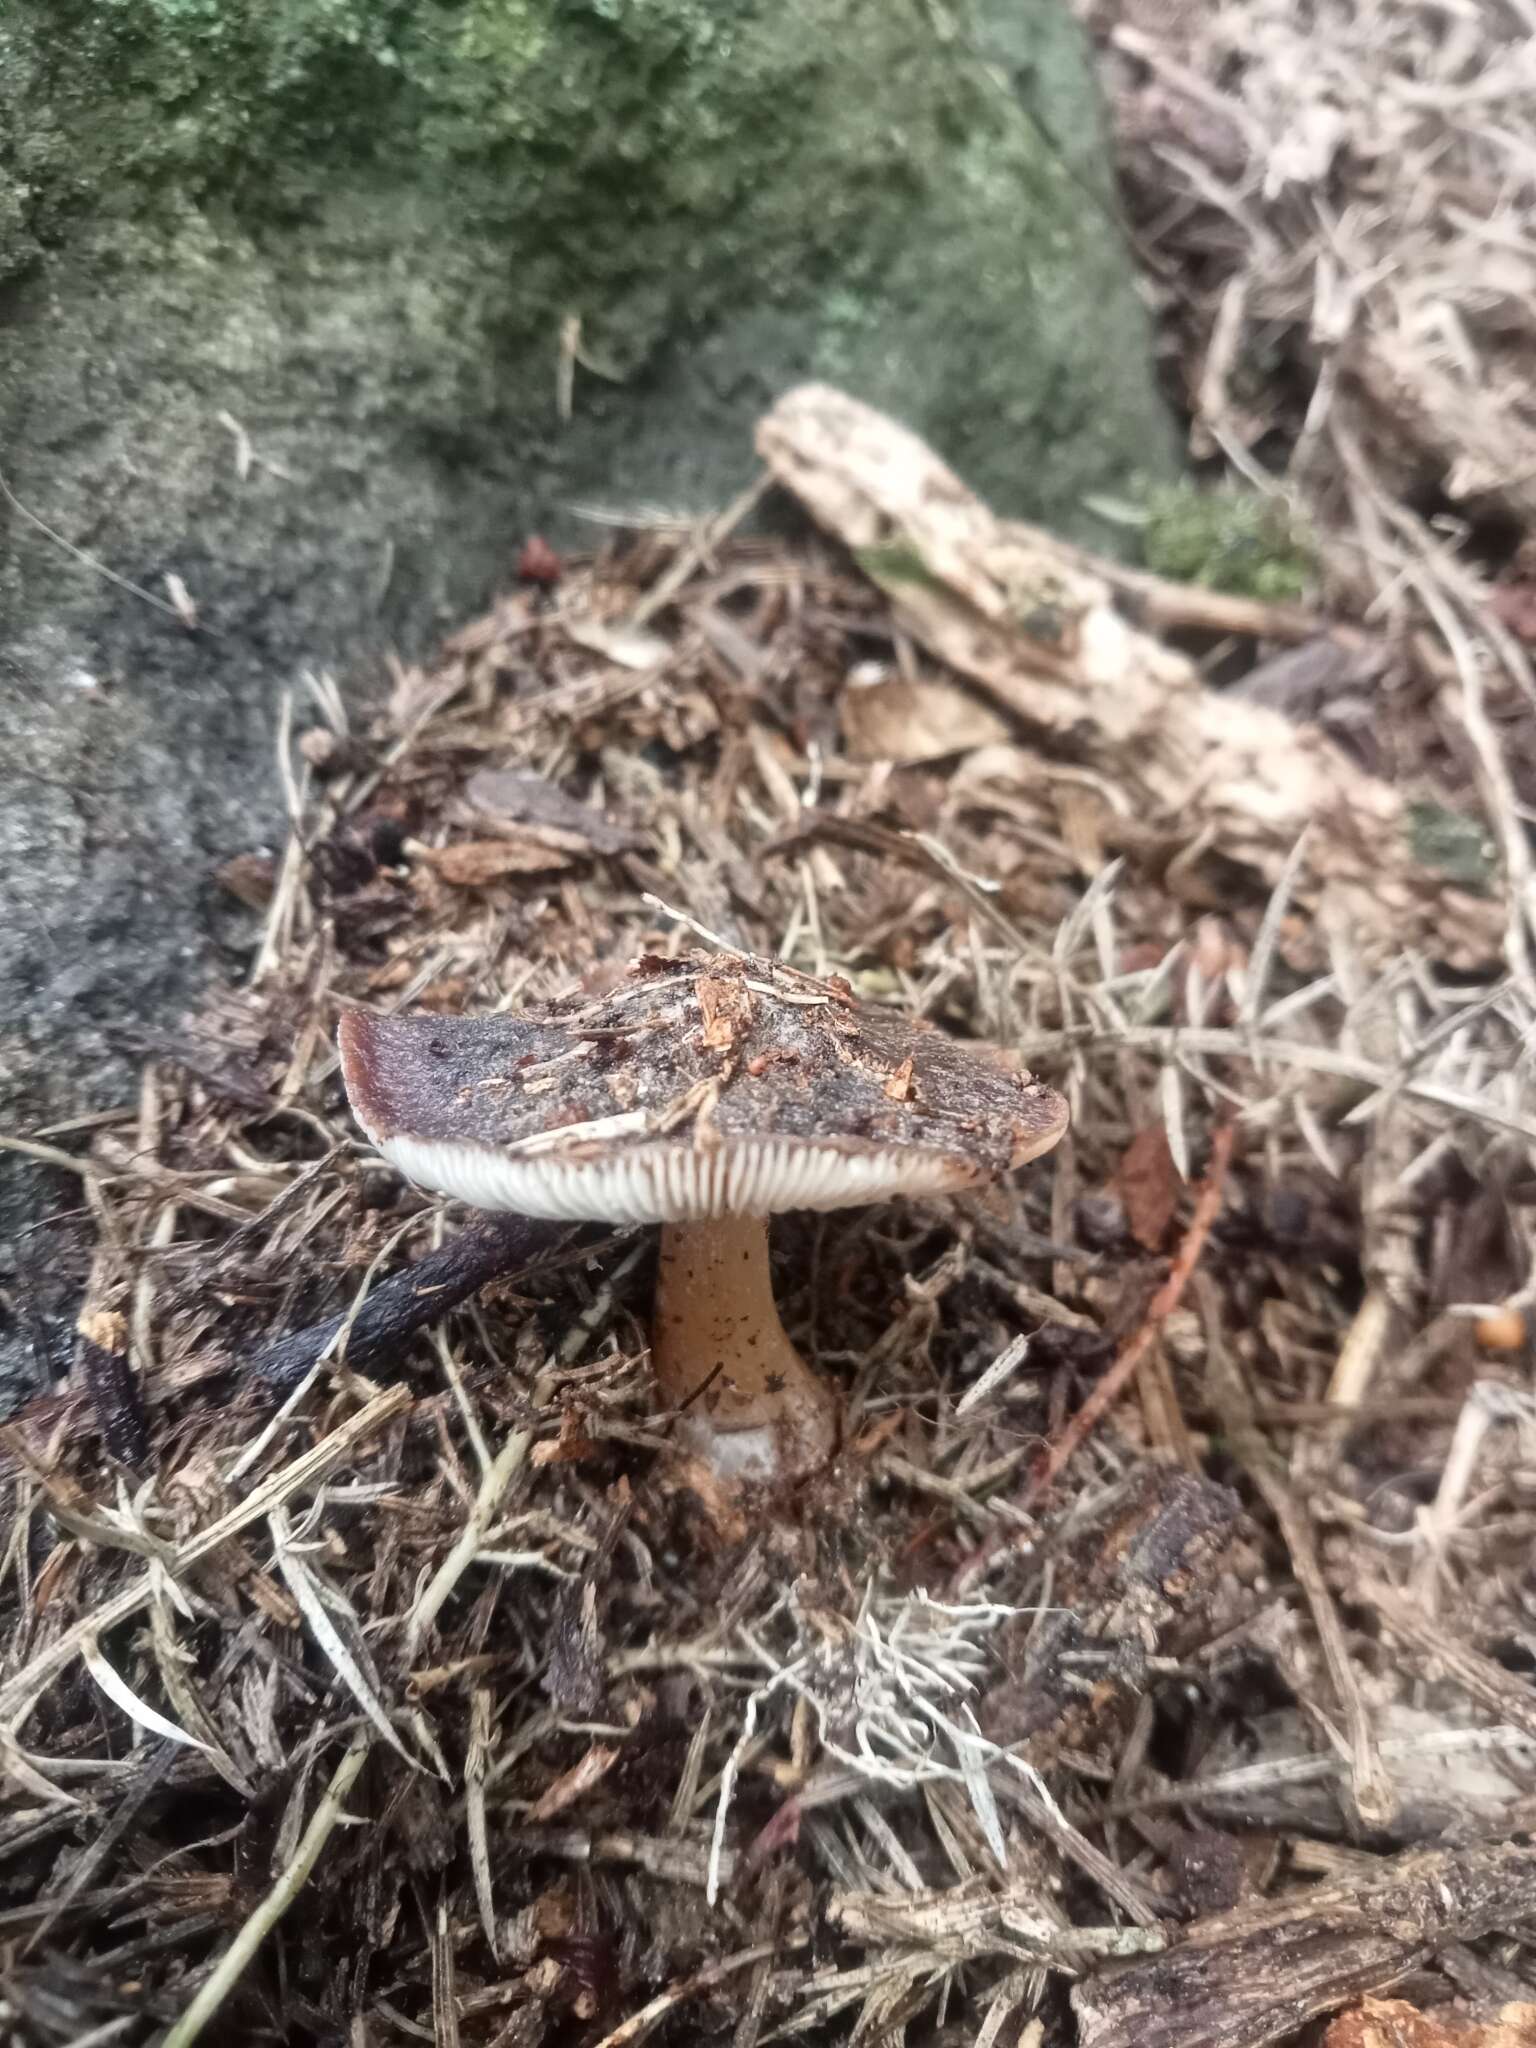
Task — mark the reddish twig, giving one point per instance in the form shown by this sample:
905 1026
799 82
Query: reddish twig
1132 1352
1163 1303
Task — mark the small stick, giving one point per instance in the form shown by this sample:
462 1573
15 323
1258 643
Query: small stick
632 2031
1371 1787
112 1385
408 1301
1164 1302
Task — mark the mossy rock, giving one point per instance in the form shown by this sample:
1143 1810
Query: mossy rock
727 193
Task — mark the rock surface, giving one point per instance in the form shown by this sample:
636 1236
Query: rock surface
353 231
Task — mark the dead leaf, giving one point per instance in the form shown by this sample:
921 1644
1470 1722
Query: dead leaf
889 717
569 1447
473 862
629 646
250 877
575 1783
1149 1186
720 1504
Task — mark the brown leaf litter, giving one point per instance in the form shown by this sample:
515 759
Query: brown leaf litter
400 1682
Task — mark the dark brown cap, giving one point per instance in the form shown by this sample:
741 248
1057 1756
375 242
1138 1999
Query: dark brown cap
713 1085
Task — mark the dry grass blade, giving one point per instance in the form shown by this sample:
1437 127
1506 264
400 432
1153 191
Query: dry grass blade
19 1692
121 1694
475 1814
290 1883
335 1628
506 1465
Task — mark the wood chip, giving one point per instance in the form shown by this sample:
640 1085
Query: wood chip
472 863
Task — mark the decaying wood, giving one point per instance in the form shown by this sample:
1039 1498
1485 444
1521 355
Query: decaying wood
110 1382
1393 2023
974 1919
407 1301
1047 632
1245 1978
1138 1588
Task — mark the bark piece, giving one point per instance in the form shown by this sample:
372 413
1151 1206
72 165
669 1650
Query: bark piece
1393 2023
1138 1588
1252 1976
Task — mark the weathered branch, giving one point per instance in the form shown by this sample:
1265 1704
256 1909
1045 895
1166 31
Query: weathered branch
1249 1977
1050 634
408 1301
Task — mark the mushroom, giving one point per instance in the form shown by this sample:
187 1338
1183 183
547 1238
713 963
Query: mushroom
704 1094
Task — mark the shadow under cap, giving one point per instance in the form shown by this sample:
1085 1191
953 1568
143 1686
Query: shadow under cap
706 1086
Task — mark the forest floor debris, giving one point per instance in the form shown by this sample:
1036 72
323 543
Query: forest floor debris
371 1669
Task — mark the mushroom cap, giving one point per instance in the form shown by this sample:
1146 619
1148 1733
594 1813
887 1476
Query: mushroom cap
708 1086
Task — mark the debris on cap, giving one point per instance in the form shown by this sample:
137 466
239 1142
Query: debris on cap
712 1085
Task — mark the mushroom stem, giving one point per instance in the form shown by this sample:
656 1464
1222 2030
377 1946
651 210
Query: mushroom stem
748 1403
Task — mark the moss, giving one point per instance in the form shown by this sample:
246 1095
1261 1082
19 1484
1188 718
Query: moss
895 563
1228 539
1454 845
649 164
366 222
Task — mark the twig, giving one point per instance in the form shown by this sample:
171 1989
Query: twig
634 2030
1165 607
237 1958
1250 1977
1164 1302
1370 1782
